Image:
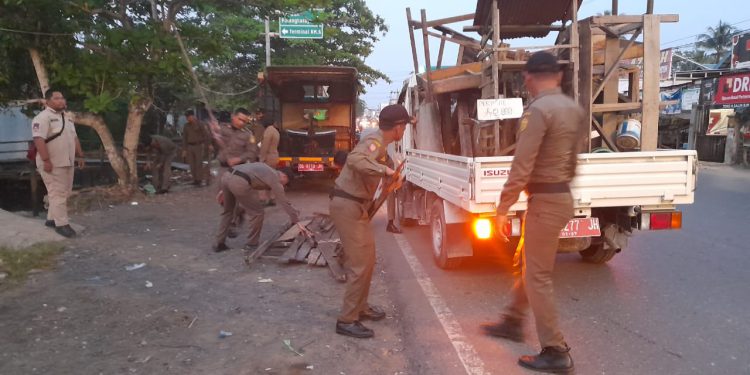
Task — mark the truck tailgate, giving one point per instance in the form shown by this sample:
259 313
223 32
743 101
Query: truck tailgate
604 180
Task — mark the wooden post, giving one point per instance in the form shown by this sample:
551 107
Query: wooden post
650 7
425 38
614 7
413 42
651 56
586 55
611 63
575 42
440 52
495 70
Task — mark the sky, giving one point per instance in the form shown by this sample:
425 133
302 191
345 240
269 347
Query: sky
392 53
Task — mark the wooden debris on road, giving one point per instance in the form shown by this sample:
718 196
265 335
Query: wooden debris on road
321 249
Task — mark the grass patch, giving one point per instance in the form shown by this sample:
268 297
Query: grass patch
18 262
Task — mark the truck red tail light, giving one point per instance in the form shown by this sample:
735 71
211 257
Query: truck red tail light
661 220
483 228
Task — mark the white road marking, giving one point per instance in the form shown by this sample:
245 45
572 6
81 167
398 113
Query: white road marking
465 351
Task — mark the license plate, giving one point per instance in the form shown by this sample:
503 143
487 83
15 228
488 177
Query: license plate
588 227
310 167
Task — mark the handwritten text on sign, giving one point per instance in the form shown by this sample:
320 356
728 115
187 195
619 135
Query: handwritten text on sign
499 109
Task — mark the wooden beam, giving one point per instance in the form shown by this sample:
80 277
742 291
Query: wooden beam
463 82
440 52
650 7
585 75
442 21
427 61
495 71
413 42
555 46
466 43
575 42
615 9
651 57
617 107
519 28
603 20
456 71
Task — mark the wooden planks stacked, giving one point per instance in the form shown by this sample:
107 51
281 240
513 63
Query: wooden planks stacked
322 249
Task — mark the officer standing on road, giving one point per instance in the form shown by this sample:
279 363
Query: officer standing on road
353 190
240 186
269 150
549 136
57 146
195 140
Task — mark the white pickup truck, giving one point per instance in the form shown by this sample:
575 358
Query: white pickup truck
614 194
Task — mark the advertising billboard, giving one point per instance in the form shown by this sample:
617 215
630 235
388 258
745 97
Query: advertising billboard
733 90
741 51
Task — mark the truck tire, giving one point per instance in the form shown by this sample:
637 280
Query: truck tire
440 240
597 254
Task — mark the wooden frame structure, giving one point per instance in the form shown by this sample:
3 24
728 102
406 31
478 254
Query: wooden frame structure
591 52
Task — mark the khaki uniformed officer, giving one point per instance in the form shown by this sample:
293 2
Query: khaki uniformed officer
195 140
549 134
57 146
240 186
354 189
163 151
238 147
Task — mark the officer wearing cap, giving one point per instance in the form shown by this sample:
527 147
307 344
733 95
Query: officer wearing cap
544 163
353 191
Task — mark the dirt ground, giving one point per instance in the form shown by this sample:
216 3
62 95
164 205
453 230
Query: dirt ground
90 315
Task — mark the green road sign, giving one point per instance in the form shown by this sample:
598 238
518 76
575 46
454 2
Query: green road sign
300 26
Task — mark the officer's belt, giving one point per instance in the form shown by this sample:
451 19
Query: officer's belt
345 195
194 143
548 188
243 175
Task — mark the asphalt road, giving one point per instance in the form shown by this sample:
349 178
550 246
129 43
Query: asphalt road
673 302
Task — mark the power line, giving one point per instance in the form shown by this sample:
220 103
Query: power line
35 32
693 36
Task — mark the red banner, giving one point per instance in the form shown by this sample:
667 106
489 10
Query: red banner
734 89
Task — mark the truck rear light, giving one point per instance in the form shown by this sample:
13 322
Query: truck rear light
661 220
483 228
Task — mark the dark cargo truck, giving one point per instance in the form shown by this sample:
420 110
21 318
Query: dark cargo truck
315 109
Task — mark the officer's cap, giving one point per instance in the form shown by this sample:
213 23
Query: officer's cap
392 115
542 62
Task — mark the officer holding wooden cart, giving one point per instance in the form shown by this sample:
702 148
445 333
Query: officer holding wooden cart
351 197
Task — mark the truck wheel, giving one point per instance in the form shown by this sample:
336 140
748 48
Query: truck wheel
597 254
440 239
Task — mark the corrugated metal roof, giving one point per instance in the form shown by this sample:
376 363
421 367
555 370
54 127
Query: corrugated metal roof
279 75
524 12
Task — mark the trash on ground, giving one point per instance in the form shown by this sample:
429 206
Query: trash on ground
133 203
262 280
61 309
224 334
149 284
288 345
135 266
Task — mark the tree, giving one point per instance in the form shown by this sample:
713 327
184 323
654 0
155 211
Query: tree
696 55
718 39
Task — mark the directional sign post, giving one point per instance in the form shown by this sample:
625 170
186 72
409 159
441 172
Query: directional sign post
300 26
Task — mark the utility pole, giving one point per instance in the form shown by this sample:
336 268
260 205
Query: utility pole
268 43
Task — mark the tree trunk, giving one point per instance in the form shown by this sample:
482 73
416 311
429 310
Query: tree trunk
40 68
115 159
136 110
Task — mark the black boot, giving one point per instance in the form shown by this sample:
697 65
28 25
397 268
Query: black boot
392 228
354 329
508 328
49 223
219 247
555 360
65 231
